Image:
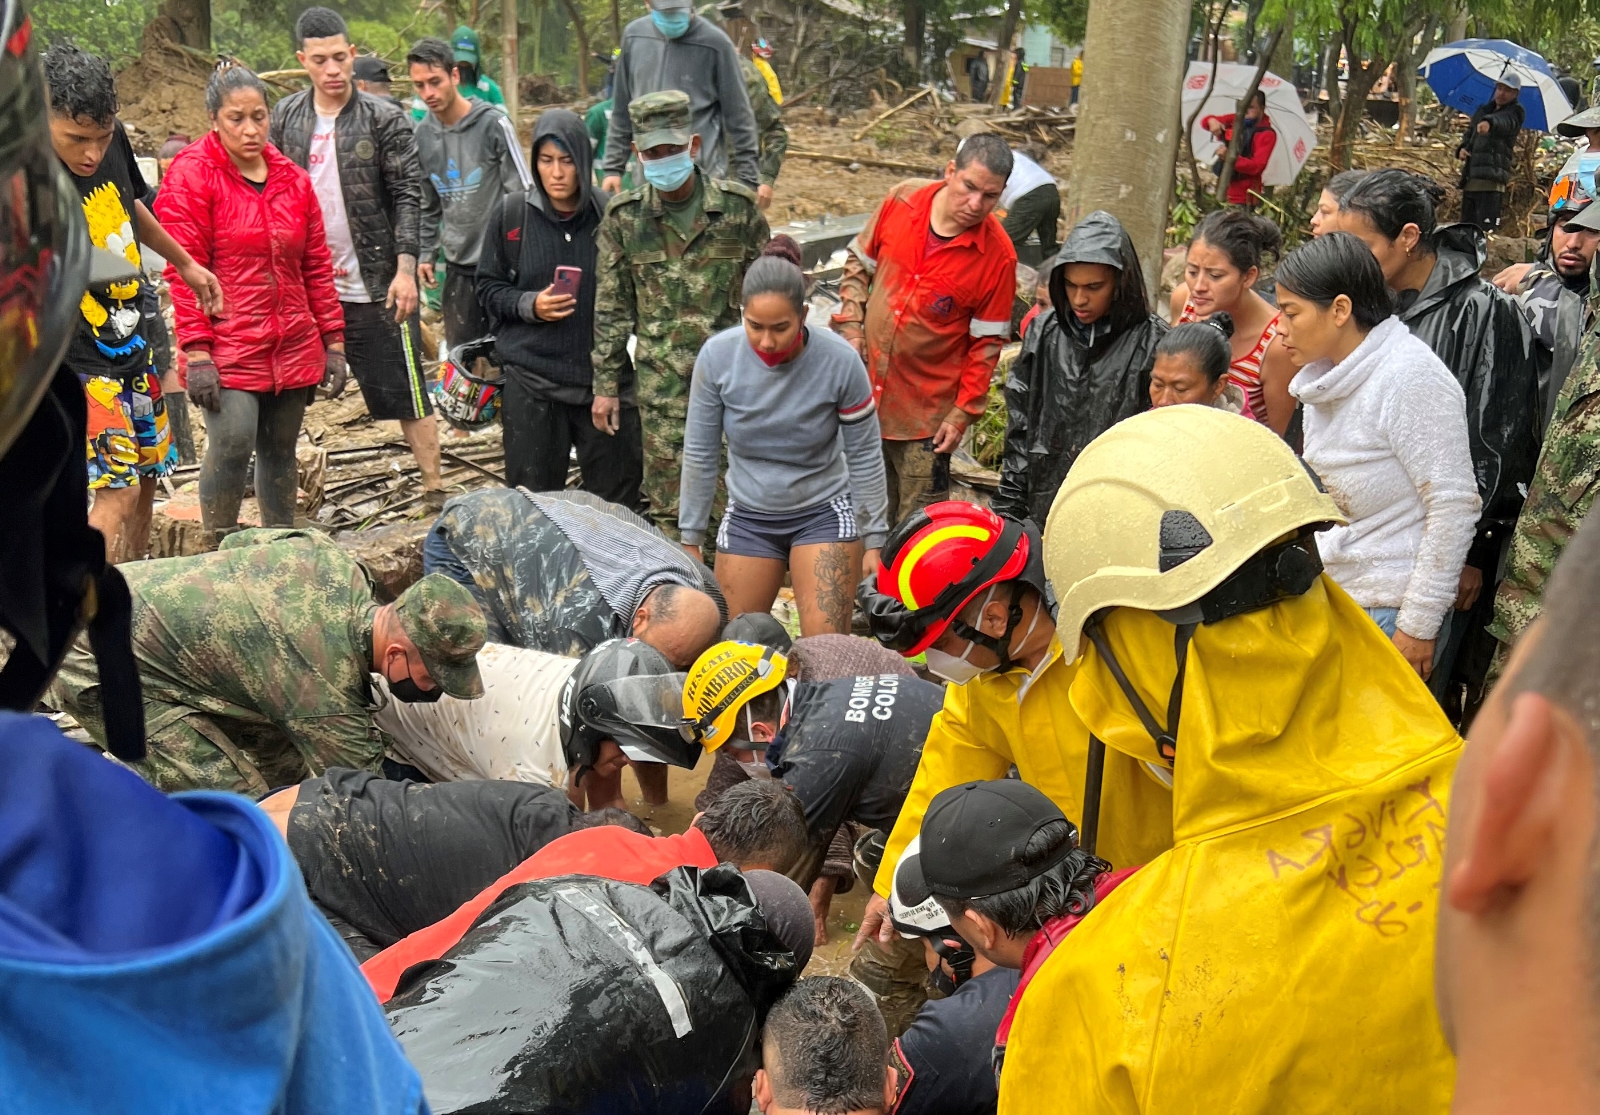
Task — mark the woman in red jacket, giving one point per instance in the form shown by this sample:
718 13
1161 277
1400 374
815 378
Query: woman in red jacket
1255 149
252 216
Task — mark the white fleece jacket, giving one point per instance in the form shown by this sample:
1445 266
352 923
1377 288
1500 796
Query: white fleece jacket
1386 430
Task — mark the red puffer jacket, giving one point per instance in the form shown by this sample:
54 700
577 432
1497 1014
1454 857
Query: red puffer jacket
270 254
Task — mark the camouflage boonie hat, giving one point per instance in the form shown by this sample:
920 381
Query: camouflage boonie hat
1574 126
446 624
660 118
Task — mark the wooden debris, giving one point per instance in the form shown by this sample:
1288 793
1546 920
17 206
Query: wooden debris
864 160
881 117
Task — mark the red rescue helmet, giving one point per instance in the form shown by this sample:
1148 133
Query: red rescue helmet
936 562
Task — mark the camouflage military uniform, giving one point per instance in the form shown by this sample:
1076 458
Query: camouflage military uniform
672 293
1563 490
254 662
772 138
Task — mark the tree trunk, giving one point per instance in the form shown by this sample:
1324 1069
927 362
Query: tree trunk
1363 77
915 17
616 23
1209 45
1330 77
1008 31
1126 143
188 22
1456 30
1282 59
1246 44
1232 156
508 59
582 32
1416 49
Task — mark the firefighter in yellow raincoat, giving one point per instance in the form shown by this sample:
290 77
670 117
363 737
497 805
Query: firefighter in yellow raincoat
1279 957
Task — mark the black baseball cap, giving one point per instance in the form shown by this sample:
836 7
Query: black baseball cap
973 836
369 67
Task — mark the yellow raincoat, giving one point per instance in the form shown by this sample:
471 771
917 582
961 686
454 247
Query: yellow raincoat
985 726
1279 959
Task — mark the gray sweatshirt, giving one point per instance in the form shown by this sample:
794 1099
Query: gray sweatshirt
798 435
704 64
465 170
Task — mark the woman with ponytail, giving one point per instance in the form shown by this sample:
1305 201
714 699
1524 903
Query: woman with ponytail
1192 366
806 488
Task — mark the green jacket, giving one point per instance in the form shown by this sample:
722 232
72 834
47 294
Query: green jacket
1563 489
671 293
772 138
274 628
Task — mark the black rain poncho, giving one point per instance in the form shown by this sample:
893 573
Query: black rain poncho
1483 339
584 995
1064 389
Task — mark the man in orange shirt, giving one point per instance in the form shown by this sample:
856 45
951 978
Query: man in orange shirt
757 825
926 300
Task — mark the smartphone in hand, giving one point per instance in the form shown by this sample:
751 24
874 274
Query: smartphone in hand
567 281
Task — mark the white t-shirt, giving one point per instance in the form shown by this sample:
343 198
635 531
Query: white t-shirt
1025 175
324 166
512 732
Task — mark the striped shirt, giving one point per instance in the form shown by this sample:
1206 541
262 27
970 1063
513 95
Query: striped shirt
1245 371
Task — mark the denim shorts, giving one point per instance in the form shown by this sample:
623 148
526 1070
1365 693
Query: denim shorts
1386 618
764 534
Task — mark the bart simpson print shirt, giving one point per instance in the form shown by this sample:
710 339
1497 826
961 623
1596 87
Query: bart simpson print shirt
109 341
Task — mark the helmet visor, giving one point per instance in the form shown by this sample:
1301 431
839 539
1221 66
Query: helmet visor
641 713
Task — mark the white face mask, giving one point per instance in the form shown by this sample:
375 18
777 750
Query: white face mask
757 767
958 671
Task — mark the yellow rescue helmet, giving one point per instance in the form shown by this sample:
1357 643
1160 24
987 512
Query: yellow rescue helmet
721 682
1166 506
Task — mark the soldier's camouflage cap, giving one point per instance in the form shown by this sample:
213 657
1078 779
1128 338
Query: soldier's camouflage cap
1574 126
446 625
660 118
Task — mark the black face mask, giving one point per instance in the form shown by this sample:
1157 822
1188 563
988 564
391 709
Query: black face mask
413 694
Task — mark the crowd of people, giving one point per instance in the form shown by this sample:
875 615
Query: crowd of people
1148 766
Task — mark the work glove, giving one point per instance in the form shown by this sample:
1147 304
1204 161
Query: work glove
334 373
205 385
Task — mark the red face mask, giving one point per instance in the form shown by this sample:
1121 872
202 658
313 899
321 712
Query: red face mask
773 359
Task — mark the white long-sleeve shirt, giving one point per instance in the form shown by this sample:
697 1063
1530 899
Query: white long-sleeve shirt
1386 430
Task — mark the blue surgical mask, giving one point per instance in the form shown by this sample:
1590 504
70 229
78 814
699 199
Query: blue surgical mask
670 172
671 24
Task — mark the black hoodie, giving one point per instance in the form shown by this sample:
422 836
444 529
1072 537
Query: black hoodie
523 244
1071 383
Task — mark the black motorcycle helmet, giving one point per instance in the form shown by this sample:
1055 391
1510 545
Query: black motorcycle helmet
54 580
626 691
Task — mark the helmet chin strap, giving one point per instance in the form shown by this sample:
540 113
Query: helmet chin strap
1166 738
1000 647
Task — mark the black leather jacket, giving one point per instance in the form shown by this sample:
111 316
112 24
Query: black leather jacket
378 174
1482 338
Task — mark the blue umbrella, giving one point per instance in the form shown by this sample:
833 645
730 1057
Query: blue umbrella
1463 75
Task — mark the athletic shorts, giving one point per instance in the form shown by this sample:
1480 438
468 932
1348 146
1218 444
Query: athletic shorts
129 439
765 535
386 360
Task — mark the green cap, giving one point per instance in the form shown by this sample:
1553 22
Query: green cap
446 625
465 44
660 118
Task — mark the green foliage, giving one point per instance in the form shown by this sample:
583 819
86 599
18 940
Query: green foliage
110 28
